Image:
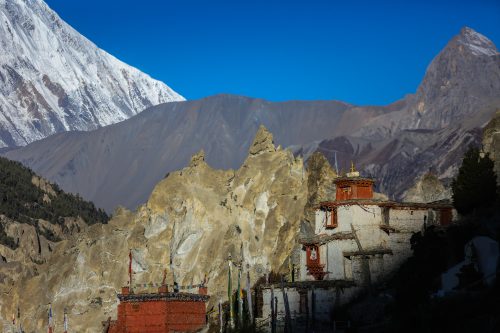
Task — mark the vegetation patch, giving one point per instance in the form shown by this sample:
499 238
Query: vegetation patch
22 201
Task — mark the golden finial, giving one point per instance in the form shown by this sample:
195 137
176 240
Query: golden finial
353 169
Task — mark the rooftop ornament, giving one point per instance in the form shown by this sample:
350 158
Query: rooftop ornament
352 173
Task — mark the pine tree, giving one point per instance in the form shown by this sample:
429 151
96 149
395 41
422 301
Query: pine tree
475 185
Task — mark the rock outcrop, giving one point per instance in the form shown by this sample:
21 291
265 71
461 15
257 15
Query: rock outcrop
491 142
263 142
427 189
36 218
320 177
194 219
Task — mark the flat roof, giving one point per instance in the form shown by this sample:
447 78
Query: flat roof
325 284
167 297
356 179
391 204
323 239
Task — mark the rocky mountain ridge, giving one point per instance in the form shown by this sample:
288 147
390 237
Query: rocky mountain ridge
461 86
395 144
431 129
52 79
120 164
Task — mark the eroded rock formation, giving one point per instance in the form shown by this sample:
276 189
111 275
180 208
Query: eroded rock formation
194 219
427 189
491 142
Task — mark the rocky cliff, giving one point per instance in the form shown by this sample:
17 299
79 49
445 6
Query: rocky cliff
36 217
194 219
427 189
491 142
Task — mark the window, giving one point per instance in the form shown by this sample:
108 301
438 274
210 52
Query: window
347 192
312 253
331 219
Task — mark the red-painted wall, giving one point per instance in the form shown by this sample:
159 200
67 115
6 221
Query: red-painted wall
159 316
348 190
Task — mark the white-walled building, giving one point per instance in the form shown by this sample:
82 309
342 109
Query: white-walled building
358 241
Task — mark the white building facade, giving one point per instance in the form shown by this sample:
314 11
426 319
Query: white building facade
358 242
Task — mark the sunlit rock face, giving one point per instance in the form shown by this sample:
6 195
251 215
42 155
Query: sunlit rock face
427 189
491 142
194 219
320 183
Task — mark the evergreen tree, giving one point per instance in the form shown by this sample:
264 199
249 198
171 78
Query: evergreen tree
475 185
24 202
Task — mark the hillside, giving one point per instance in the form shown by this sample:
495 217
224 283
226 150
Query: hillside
396 144
28 201
120 164
25 197
35 217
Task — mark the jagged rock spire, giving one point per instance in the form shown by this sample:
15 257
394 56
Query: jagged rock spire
197 158
263 142
477 43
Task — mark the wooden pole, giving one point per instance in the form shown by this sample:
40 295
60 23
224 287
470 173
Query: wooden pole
221 321
249 295
288 317
130 269
275 312
65 321
313 309
230 295
273 326
308 313
240 299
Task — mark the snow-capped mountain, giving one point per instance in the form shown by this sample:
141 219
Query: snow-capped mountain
52 79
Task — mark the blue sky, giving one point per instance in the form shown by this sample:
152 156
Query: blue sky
361 52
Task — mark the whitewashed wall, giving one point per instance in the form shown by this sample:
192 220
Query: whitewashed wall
326 299
366 221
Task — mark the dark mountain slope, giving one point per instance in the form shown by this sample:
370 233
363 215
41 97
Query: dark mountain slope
121 163
27 198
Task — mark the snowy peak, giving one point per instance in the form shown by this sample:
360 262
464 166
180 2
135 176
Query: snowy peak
477 43
52 79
